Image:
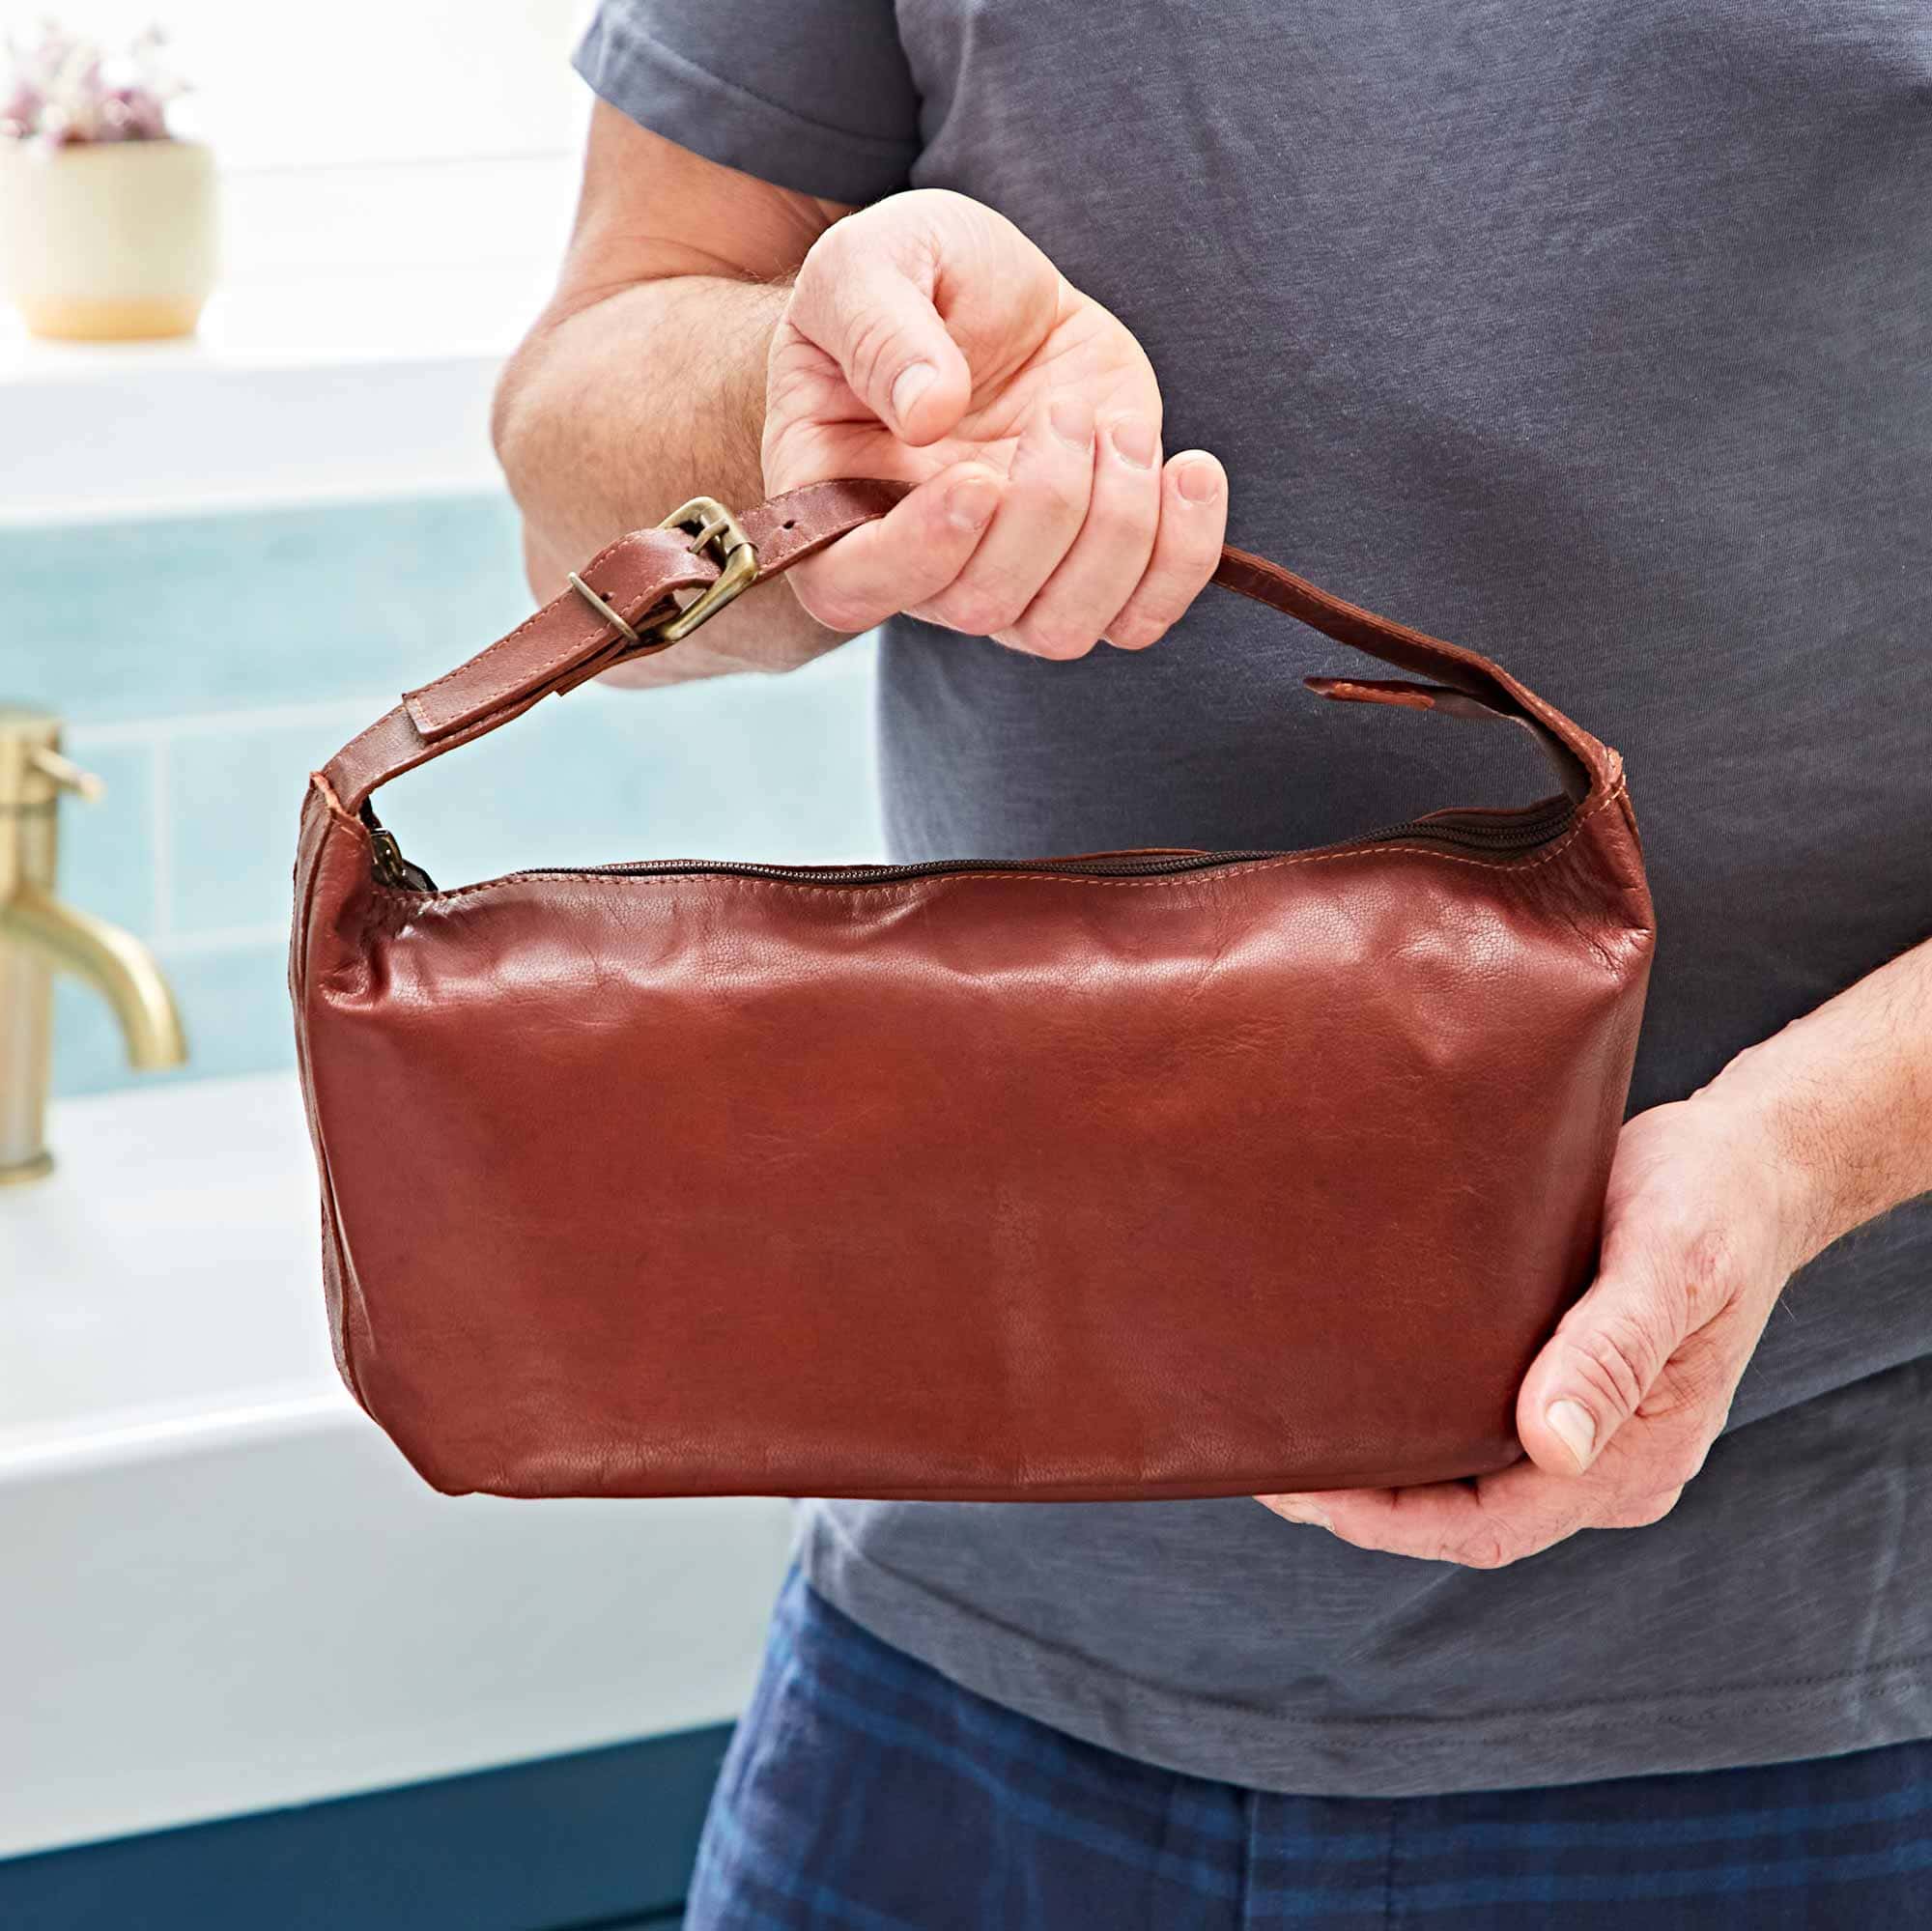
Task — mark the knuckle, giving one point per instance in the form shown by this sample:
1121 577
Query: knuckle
911 218
1619 1358
1488 1550
814 271
870 349
1062 645
1691 1257
1708 1268
1680 1466
1192 545
837 613
1124 525
1061 499
1196 571
1193 537
955 608
1053 637
1175 581
1134 633
1641 1512
844 237
1701 1376
829 603
977 612
1001 615
1066 650
987 601
825 276
1152 613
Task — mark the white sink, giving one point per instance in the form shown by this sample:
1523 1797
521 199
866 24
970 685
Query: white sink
223 1589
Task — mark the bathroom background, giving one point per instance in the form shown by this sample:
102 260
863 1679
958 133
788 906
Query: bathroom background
258 1675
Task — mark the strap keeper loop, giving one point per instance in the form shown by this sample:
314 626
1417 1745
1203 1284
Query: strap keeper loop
603 609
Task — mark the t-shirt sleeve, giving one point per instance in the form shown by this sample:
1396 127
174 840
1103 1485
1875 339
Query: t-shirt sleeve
812 94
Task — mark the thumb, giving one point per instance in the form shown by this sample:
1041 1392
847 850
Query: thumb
864 297
1595 1370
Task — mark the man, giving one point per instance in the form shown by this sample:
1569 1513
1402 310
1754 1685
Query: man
1597 338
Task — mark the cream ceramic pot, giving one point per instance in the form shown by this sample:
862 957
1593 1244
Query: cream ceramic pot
108 241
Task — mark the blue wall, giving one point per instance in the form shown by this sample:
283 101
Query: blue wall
206 663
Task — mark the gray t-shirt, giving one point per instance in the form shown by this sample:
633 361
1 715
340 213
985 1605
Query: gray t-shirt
1596 337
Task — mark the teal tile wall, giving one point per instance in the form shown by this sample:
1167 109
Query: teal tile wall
184 614
206 664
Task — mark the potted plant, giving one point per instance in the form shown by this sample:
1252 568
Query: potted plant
106 219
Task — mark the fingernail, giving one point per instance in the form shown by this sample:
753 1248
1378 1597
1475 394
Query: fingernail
1200 482
970 502
1072 420
914 379
1575 1427
1134 442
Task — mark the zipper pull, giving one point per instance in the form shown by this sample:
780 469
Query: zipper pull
392 869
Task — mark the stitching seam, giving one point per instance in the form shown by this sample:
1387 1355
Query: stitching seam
537 617
561 660
550 668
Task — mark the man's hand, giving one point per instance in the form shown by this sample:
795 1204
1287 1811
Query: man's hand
1714 1203
1705 1221
928 340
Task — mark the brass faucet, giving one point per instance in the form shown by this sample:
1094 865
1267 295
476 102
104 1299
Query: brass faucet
38 933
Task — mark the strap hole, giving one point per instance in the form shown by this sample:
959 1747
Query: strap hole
792 523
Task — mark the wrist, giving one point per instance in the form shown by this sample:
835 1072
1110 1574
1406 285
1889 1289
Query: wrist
1776 1115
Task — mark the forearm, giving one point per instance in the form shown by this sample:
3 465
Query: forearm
1844 1099
616 412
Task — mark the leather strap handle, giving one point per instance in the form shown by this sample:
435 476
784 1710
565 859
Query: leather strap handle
1586 766
639 576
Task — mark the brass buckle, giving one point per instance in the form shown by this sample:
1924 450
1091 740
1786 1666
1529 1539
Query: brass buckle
737 571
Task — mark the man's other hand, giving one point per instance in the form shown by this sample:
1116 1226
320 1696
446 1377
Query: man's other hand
1705 1221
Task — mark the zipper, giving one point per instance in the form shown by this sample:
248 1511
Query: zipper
1486 830
1469 831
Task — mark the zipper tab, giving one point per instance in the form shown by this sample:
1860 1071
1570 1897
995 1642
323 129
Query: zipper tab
392 869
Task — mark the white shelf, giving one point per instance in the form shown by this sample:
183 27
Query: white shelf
351 349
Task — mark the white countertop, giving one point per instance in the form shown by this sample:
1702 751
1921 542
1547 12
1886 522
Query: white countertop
224 1589
195 1200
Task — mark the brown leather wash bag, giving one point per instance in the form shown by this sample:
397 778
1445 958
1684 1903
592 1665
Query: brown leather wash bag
1147 1175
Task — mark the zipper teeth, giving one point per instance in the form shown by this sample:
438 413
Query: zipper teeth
889 874
1487 833
1519 834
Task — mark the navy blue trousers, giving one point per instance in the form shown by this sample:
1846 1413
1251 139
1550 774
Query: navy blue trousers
864 1790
